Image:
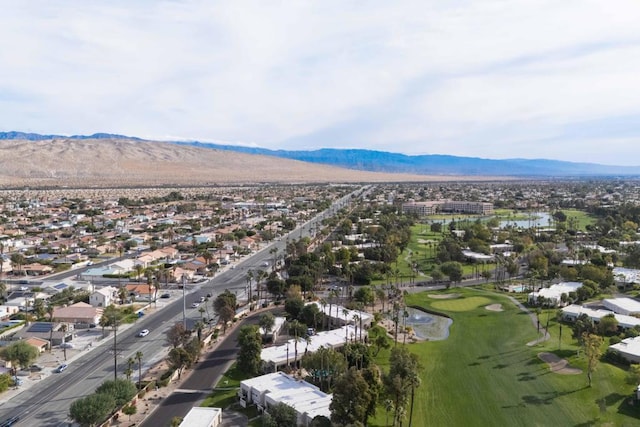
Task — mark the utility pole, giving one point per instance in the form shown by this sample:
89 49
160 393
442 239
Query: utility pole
184 302
115 351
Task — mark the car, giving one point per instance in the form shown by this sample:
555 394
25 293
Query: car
10 421
143 333
35 368
202 299
17 381
195 305
66 345
61 368
167 295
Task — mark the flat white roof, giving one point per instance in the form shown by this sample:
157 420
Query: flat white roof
329 339
630 346
626 304
623 320
555 291
300 395
277 324
628 275
201 417
477 255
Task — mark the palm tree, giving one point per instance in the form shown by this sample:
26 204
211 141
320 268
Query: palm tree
50 309
388 406
332 297
122 294
139 359
260 275
414 381
250 283
323 304
1 261
63 327
295 327
356 318
345 313
18 259
129 370
139 269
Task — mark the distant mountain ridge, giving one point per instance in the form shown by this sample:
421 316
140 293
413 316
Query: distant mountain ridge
434 164
381 161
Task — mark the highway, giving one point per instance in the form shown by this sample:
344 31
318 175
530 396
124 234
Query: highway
47 403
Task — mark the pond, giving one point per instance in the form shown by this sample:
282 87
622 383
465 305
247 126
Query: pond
538 219
428 326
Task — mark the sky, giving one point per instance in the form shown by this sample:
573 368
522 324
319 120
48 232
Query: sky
483 78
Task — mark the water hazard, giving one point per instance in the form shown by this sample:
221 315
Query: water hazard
428 326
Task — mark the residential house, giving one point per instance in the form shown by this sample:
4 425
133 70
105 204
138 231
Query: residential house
141 291
79 313
202 417
103 297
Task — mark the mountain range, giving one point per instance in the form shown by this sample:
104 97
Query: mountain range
386 162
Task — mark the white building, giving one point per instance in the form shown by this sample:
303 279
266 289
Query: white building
573 311
625 306
103 297
277 327
629 348
278 356
554 292
202 417
626 276
268 390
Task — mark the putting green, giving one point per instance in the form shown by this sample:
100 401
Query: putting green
461 304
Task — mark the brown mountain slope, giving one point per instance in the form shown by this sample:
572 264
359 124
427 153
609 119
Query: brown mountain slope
93 162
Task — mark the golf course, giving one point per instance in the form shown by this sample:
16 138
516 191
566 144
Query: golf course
486 374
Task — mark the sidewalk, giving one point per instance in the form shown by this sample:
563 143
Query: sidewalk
154 398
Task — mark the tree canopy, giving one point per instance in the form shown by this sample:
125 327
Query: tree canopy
250 342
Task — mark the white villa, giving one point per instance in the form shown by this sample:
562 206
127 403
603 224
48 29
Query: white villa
267 390
554 292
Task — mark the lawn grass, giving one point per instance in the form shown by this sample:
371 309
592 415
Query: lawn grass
225 393
484 374
583 218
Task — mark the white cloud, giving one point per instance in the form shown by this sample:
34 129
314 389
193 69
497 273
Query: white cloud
492 79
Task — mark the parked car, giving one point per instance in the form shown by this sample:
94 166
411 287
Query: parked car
167 295
67 345
10 421
202 299
143 333
61 368
35 368
195 305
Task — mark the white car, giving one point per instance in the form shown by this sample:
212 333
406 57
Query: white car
143 333
195 305
66 345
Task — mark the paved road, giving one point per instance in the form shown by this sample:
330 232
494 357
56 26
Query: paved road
47 403
201 381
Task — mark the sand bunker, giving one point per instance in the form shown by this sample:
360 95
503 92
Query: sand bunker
444 296
494 307
558 365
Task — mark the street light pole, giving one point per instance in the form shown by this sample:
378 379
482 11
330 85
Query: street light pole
115 352
184 303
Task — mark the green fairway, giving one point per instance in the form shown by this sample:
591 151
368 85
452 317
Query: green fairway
460 304
484 374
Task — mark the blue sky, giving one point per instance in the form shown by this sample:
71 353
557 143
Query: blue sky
493 79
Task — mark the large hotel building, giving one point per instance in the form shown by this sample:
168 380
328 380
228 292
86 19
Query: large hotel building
451 206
